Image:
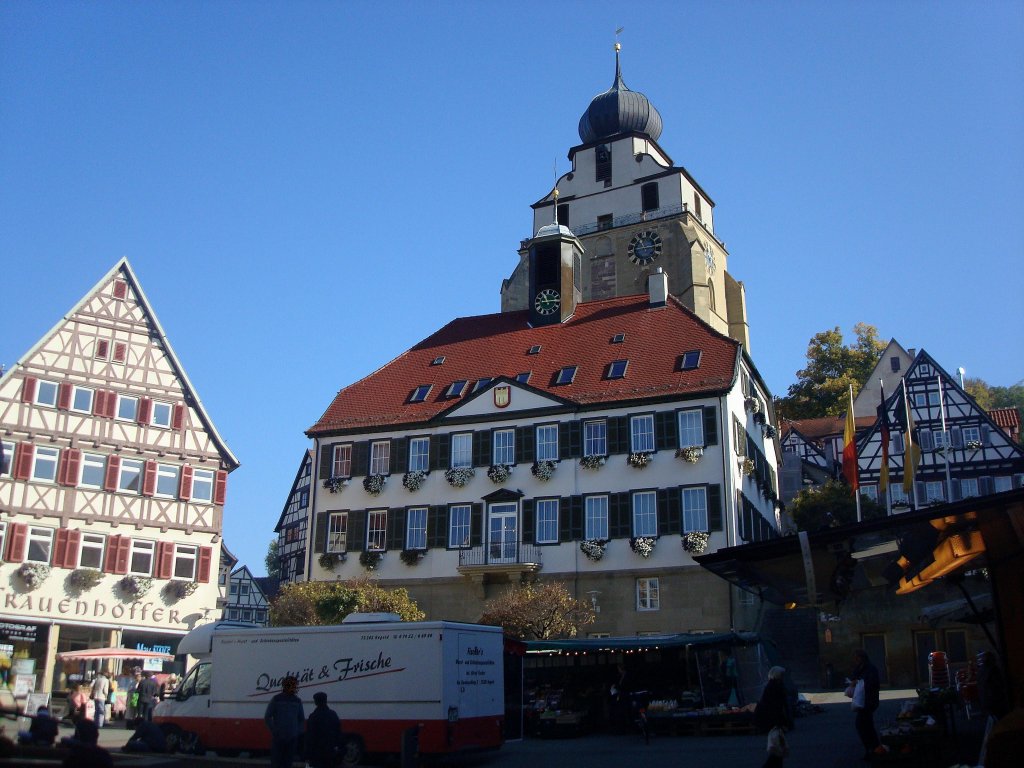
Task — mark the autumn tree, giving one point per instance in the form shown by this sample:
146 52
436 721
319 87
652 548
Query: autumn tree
822 387
830 505
317 603
989 397
538 612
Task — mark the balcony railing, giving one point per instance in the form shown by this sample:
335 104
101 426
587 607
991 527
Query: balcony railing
511 553
628 220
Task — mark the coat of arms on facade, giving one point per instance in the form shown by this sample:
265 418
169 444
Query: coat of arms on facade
502 396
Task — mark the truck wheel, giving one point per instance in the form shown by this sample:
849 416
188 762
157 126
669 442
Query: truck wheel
351 752
173 735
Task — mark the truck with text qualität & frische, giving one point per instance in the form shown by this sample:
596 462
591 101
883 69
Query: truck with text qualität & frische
382 676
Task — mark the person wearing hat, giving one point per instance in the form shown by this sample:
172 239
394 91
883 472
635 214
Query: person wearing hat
773 715
323 734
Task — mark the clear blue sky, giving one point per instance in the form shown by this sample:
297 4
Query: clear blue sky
306 189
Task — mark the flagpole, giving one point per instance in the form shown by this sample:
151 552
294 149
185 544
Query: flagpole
850 437
908 448
885 452
946 436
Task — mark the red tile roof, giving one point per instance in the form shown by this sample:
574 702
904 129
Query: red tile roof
826 426
496 345
1006 418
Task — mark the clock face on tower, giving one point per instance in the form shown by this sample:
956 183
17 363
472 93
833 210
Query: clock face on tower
547 301
645 247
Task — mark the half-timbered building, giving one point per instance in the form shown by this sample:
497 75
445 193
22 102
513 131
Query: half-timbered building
246 600
292 526
112 486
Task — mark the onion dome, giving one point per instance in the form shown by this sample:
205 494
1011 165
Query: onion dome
619 110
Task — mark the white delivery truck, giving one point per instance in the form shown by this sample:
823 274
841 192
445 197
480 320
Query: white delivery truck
382 676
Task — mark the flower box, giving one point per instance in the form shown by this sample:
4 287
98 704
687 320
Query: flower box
335 484
411 556
457 477
972 445
690 453
747 467
695 542
84 579
752 404
642 545
543 470
593 548
33 575
592 462
330 560
179 590
639 460
134 587
770 432
374 484
499 473
414 480
370 560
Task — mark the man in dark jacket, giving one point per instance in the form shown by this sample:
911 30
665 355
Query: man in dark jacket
148 690
773 711
864 720
323 734
285 717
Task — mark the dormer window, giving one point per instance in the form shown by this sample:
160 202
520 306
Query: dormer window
617 369
618 338
534 350
524 377
689 360
566 375
438 360
420 393
457 388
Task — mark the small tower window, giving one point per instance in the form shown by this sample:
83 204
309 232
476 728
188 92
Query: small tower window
603 156
605 221
649 197
696 206
563 214
894 363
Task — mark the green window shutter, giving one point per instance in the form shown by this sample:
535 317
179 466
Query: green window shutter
665 517
482 448
575 431
320 533
326 460
399 455
619 515
665 438
476 534
396 529
437 526
525 444
710 425
715 507
361 459
529 522
572 508
440 452
357 530
674 502
618 434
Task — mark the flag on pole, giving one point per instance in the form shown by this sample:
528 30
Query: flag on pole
850 449
883 420
912 453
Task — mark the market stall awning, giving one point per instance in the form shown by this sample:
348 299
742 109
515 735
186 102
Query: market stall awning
89 654
646 642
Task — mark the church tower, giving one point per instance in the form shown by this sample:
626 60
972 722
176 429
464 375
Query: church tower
632 211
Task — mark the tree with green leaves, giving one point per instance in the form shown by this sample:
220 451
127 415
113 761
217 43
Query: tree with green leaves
319 603
822 387
273 560
538 611
989 397
830 505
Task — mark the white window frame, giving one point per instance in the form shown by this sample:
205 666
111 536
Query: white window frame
8 463
870 490
504 447
416 528
186 561
124 404
940 438
691 428
380 457
645 513
595 437
168 475
648 593
3 535
934 490
419 454
376 530
46 393
547 442
142 548
969 487
546 521
969 434
1001 483
91 548
595 517
641 433
897 495
337 533
45 461
462 449
161 414
460 526
84 392
39 539
341 461
128 474
203 480
694 502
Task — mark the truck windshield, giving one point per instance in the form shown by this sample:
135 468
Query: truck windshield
196 682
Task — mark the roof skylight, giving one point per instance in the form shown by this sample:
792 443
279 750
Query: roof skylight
617 369
689 360
535 349
457 388
566 375
420 393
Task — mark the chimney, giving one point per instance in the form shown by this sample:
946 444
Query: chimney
657 288
912 352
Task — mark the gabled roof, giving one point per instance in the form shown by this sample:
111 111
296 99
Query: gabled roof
498 345
307 458
1007 419
125 270
816 430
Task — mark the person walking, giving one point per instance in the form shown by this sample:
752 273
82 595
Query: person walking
148 691
773 715
864 719
284 718
323 734
100 692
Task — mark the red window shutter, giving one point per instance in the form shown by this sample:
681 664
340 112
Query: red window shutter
74 542
99 402
120 351
28 389
178 417
149 478
185 489
145 410
60 546
120 289
23 456
105 403
220 487
70 460
164 559
111 404
64 395
205 560
17 537
118 549
102 347
113 470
